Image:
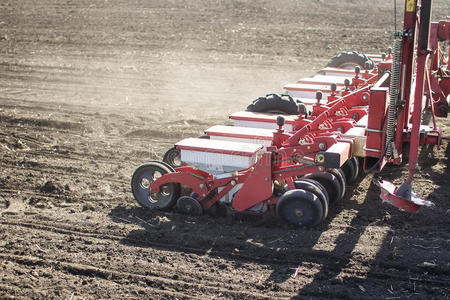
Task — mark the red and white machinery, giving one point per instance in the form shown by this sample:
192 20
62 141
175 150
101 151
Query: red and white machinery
348 119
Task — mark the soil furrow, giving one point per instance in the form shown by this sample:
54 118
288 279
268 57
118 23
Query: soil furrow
152 281
276 261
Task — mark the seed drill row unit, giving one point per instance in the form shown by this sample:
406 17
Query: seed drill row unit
351 118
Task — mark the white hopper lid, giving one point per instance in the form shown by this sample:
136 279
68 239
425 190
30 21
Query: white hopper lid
324 80
342 71
261 117
241 132
219 146
303 87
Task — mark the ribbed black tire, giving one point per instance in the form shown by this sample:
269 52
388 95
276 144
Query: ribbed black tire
349 59
274 103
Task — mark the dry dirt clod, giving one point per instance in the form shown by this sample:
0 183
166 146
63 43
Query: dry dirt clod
51 187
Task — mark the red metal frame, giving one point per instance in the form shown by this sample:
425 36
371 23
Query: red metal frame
296 153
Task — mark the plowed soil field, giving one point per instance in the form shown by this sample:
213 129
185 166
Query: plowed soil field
92 89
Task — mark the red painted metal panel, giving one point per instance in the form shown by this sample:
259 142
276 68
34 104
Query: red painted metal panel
376 119
257 187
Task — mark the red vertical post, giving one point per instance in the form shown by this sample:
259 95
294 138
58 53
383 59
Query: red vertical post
422 57
409 29
416 116
375 122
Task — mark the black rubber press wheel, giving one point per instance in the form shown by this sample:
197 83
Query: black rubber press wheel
189 206
317 189
329 182
341 177
141 181
351 169
300 208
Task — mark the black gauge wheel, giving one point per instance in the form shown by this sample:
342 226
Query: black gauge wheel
142 179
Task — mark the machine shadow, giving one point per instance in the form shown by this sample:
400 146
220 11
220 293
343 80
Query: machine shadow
393 253
215 235
306 251
442 192
402 252
326 282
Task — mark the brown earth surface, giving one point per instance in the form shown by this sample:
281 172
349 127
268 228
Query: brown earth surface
92 89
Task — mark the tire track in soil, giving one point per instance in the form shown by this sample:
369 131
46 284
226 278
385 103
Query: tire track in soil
223 287
275 261
167 246
155 282
58 197
86 131
158 286
71 173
